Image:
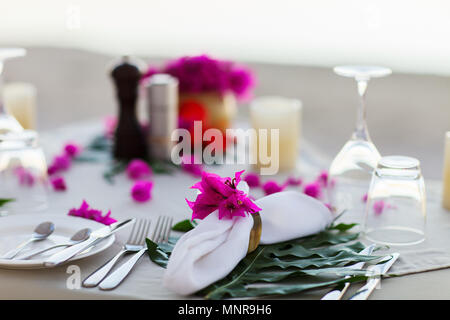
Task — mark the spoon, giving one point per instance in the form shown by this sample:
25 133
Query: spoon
78 237
41 232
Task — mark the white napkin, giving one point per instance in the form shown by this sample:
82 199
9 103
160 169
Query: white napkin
289 215
212 250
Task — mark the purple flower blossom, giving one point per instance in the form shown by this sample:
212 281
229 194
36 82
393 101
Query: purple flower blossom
378 207
58 183
323 179
203 73
85 212
364 198
142 191
292 181
59 163
272 187
252 180
188 164
26 178
222 194
72 149
138 169
313 189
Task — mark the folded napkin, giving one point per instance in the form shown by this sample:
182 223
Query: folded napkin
289 215
212 250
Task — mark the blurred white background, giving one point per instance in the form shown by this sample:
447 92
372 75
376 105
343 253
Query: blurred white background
291 45
407 35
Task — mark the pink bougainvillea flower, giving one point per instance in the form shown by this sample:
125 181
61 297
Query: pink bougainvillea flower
272 187
252 180
323 179
59 163
378 207
142 191
188 164
26 178
222 194
292 181
93 214
364 198
138 169
58 183
72 149
313 189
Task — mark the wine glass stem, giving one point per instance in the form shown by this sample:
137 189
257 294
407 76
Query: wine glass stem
361 132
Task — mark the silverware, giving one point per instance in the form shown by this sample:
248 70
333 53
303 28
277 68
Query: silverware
41 232
136 242
337 294
95 237
379 270
160 235
78 237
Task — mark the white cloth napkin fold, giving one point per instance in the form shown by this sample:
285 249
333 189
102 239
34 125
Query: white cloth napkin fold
212 250
289 215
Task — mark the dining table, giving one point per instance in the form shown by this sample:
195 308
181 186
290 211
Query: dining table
422 272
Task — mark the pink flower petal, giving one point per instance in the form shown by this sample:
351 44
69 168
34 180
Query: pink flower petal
138 169
292 181
58 183
313 190
220 194
72 149
252 180
141 191
272 187
188 164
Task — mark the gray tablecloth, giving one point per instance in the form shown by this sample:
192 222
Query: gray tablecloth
85 181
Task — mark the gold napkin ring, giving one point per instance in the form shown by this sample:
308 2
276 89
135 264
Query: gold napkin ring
255 233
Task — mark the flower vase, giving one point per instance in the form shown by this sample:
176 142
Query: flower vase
219 108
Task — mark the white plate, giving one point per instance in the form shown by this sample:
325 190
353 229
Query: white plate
15 229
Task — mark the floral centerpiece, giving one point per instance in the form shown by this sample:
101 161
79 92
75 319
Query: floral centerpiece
209 89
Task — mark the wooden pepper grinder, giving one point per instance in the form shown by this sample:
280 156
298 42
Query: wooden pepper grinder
129 142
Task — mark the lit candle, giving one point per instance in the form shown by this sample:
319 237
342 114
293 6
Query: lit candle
20 101
277 113
446 178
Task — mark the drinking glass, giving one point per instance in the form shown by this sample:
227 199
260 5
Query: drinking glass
351 170
396 205
8 122
23 173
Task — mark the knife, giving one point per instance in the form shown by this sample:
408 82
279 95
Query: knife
96 236
380 270
337 294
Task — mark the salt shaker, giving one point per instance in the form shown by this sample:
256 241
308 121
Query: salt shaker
162 99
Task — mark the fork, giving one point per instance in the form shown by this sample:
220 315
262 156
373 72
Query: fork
136 242
160 235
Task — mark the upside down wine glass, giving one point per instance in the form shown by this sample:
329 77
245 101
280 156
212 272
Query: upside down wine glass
351 170
7 122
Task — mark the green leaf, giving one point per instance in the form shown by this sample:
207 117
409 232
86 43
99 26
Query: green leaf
282 289
156 253
4 201
342 227
316 261
184 225
115 168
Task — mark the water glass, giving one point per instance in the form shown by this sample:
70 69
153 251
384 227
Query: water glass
395 211
23 173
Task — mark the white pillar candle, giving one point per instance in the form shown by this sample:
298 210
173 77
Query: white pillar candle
20 101
446 177
283 114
